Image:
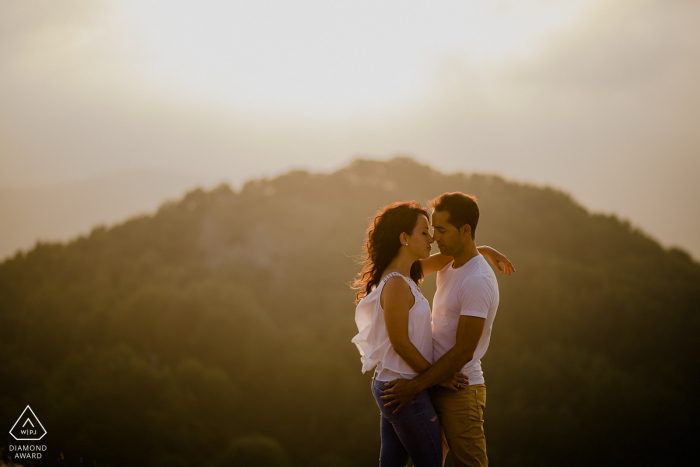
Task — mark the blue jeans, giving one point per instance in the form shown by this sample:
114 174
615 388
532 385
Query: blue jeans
414 432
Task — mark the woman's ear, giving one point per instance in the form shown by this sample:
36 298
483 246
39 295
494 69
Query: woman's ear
403 238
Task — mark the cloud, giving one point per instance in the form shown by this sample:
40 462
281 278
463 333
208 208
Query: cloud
607 108
40 35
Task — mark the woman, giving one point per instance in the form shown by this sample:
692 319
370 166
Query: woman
395 334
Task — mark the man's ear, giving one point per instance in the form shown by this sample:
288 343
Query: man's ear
465 231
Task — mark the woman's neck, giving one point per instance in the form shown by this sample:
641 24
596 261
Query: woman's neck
402 264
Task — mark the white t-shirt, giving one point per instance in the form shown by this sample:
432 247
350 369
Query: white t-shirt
373 341
470 290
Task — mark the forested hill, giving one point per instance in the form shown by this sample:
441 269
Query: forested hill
216 332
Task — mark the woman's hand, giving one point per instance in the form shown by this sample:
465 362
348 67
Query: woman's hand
498 259
455 382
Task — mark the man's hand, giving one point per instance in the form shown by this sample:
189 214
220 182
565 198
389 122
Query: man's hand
400 392
456 382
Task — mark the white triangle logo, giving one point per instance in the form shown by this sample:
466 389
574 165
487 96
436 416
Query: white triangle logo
28 427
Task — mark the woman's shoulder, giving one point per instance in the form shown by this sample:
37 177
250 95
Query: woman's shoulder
400 289
395 279
395 284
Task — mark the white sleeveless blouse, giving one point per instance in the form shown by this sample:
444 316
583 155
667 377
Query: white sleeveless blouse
373 341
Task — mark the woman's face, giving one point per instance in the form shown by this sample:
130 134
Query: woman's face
420 239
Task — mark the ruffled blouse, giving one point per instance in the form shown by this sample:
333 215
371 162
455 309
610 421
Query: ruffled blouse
373 341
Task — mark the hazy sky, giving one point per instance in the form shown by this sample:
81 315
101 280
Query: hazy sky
598 98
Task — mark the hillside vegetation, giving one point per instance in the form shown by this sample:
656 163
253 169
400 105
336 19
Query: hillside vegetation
217 331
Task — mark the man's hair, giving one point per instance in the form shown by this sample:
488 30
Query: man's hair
461 209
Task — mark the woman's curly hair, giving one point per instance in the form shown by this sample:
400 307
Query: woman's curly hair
383 244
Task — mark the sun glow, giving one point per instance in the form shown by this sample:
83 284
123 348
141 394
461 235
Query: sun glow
314 57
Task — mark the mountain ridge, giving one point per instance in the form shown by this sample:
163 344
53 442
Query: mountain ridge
62 211
222 322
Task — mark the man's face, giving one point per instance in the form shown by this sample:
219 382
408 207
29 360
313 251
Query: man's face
447 236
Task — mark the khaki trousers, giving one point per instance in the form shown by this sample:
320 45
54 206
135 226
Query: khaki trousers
461 415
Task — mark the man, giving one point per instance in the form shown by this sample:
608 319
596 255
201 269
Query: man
463 311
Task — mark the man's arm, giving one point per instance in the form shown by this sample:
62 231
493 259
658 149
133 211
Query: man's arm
469 331
402 391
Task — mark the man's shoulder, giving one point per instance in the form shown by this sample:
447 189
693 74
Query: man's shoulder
478 268
486 271
481 279
476 274
487 281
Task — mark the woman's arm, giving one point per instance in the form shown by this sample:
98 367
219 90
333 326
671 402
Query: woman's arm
434 263
497 258
396 300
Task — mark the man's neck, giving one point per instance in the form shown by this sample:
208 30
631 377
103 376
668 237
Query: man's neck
468 253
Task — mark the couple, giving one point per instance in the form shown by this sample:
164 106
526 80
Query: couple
428 381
